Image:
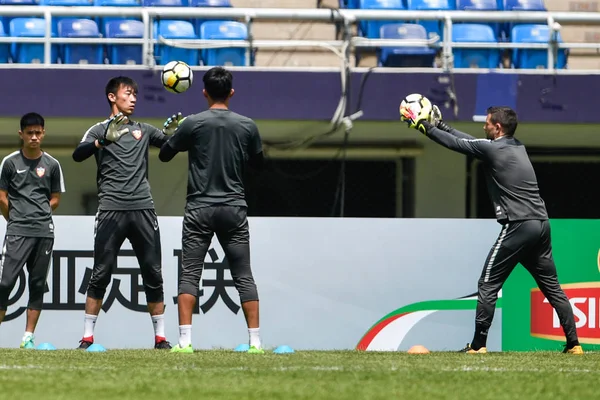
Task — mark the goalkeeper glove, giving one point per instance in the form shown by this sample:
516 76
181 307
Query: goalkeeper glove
115 129
416 119
172 123
436 119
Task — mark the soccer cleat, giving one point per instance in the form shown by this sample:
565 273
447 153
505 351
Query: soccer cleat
27 343
255 350
84 344
162 345
577 350
469 350
187 349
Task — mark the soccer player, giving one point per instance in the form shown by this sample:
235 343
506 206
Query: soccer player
31 182
220 142
126 208
525 234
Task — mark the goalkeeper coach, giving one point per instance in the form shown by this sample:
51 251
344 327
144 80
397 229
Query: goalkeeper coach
513 189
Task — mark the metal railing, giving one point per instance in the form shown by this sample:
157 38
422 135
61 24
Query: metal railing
346 17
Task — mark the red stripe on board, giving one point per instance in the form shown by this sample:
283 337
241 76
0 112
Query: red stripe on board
368 338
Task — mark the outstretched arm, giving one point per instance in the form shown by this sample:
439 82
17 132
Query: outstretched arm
478 148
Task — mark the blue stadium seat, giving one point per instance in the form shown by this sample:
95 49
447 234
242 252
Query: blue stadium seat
208 3
124 53
524 5
29 53
226 30
79 3
162 3
351 4
535 58
80 53
175 29
6 19
421 56
117 3
474 58
4 47
432 27
482 5
371 29
521 5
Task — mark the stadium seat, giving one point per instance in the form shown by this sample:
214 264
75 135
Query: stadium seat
80 53
124 53
482 5
78 3
226 30
371 29
117 3
175 29
521 5
432 27
351 4
29 53
474 58
162 3
418 56
208 3
6 19
524 5
4 47
535 58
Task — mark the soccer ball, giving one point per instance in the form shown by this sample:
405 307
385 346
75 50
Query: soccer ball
177 77
416 103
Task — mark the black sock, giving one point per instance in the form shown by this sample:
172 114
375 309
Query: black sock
480 337
570 345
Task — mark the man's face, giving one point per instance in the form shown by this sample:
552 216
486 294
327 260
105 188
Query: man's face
124 99
32 136
491 131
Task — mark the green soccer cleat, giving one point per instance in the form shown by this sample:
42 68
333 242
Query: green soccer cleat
178 349
255 350
27 343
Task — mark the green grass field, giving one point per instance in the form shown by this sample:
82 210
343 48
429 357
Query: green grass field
150 374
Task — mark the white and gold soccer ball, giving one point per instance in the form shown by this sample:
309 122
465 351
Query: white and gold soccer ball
177 76
414 104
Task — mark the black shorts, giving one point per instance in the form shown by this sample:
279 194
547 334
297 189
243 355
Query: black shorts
230 224
111 229
17 251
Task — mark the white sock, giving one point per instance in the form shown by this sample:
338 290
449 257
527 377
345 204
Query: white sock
27 335
158 321
185 335
254 334
88 325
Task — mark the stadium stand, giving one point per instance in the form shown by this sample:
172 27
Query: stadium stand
302 30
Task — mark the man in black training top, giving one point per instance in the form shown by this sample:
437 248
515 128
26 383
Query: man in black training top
525 234
220 142
126 208
31 182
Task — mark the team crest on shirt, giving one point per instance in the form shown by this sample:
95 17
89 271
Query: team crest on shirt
137 134
40 171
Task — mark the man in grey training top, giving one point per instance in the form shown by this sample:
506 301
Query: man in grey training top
31 182
220 143
126 208
525 234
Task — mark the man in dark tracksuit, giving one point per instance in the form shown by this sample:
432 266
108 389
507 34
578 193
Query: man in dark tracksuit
220 144
525 234
31 183
126 208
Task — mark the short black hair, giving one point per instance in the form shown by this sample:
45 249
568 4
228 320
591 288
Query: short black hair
31 119
218 83
115 83
506 117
